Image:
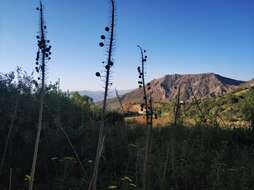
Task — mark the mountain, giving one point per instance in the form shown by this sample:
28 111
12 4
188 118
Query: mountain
248 84
99 95
165 89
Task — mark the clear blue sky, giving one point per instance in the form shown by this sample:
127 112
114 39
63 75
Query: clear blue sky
180 36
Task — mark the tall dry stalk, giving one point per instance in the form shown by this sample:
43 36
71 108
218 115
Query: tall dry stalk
148 107
109 64
177 107
43 55
119 100
10 179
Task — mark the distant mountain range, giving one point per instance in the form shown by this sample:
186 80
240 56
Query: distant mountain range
166 88
99 95
199 86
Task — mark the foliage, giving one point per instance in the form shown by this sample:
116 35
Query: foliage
248 106
204 158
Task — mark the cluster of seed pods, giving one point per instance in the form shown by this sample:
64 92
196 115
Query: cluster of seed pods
102 44
147 88
44 49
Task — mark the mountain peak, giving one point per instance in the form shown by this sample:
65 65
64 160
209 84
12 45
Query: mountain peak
199 85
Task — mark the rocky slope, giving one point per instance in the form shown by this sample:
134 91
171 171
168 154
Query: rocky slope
191 85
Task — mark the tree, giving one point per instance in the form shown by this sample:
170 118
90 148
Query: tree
248 107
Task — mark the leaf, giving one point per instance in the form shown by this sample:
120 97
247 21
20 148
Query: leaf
112 187
27 178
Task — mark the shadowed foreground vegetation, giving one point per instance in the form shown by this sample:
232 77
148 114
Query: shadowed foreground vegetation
202 157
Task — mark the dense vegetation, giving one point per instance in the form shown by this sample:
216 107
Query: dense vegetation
203 157
72 144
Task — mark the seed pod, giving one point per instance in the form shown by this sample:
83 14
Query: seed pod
37 8
140 86
111 63
38 37
101 44
107 29
103 37
107 67
97 74
45 27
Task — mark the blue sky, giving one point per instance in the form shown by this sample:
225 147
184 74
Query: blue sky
180 36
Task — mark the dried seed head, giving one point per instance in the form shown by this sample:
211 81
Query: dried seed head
103 37
111 63
101 44
97 74
107 29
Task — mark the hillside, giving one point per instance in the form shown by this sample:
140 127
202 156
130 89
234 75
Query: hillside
165 89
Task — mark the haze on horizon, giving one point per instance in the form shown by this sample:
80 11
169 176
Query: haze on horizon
180 36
